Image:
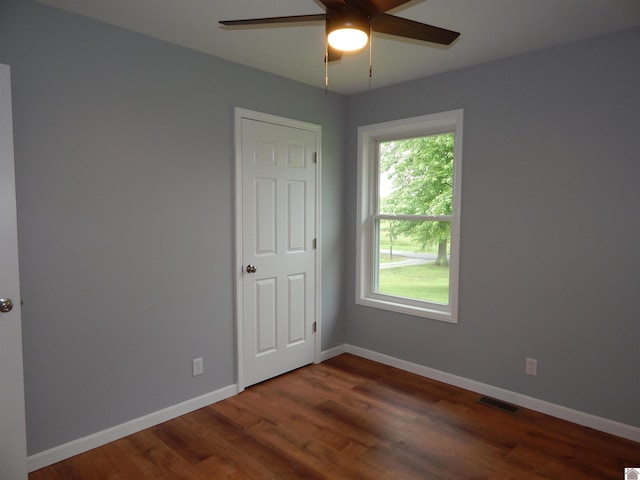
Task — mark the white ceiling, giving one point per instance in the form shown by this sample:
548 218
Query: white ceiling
490 30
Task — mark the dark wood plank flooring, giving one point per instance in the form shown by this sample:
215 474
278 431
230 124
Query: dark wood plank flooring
350 418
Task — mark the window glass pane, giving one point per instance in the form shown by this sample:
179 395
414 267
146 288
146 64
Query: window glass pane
416 175
413 259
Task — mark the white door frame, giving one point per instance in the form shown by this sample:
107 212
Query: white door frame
241 113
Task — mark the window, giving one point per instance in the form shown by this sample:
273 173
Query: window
409 215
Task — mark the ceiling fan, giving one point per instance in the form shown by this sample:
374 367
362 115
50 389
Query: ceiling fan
349 24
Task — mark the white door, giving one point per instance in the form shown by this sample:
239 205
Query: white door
277 297
13 443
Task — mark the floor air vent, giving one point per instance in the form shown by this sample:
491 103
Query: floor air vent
499 404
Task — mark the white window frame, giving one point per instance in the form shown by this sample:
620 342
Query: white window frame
369 137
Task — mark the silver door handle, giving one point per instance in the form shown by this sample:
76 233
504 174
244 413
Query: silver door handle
6 305
251 269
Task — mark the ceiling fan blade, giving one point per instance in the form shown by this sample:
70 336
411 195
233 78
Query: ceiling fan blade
262 21
374 7
401 27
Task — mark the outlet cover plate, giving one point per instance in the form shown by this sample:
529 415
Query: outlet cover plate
531 367
197 367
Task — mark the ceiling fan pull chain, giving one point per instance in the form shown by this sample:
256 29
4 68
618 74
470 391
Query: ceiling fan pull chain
370 53
326 68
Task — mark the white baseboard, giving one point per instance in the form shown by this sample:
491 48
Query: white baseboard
75 447
84 444
332 352
558 411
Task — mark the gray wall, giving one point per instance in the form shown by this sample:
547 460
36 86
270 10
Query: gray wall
550 250
124 175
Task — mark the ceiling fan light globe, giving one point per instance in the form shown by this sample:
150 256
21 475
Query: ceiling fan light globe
348 39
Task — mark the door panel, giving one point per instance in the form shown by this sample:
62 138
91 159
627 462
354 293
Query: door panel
13 444
296 287
296 216
265 316
265 217
278 227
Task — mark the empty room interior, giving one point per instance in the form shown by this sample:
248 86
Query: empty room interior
135 196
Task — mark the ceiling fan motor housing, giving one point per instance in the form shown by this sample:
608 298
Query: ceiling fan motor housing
348 19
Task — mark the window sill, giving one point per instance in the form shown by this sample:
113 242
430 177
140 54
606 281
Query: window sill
444 315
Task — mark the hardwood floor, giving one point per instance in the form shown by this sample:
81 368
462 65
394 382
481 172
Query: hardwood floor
350 418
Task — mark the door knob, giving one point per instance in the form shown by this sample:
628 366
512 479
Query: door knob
251 269
6 305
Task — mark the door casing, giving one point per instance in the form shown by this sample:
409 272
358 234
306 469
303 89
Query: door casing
241 113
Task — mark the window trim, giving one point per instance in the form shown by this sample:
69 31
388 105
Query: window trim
369 136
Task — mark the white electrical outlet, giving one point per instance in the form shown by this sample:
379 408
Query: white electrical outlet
196 364
531 366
